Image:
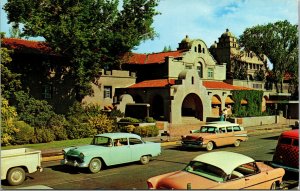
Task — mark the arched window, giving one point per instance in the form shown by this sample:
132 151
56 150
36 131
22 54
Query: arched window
203 50
195 49
200 70
199 48
192 79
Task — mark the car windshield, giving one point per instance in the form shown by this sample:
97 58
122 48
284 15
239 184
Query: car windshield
206 170
102 141
207 129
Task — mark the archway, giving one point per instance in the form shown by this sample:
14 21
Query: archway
137 98
192 106
157 107
216 105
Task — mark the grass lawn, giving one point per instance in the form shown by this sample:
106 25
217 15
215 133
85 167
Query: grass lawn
52 145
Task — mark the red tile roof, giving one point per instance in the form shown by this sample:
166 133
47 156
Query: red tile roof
155 58
223 85
153 83
17 44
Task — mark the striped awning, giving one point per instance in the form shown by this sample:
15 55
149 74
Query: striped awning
243 101
215 100
228 100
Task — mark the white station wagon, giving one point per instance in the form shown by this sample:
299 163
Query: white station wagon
111 149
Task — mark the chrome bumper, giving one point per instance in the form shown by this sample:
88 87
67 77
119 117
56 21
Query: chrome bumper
73 163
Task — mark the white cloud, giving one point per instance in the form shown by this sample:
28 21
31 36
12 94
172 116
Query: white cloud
208 19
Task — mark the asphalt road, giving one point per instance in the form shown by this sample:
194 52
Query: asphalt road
134 175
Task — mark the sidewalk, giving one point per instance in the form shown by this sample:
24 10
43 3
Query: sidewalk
56 153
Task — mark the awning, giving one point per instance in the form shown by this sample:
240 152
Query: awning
215 100
228 100
243 101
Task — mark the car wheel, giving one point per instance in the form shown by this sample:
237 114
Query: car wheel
145 159
237 143
209 146
95 165
273 186
16 176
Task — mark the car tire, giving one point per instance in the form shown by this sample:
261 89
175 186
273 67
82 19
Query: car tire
237 143
210 146
145 159
273 186
16 176
95 165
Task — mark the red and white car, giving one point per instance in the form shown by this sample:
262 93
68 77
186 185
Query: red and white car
220 170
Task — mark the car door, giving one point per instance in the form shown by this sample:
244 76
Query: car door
138 148
120 154
221 136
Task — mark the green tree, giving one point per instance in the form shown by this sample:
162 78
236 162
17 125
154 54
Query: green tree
90 34
279 42
10 82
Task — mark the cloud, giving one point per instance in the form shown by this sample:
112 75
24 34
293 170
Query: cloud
208 19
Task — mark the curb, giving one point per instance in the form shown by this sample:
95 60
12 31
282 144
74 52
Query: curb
254 132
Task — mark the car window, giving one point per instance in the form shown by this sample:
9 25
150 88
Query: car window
229 129
222 129
246 169
134 141
206 170
285 141
102 141
296 143
236 128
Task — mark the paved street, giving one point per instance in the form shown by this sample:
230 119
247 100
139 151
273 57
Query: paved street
134 175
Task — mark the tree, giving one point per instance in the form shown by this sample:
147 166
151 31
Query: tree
279 42
10 82
91 34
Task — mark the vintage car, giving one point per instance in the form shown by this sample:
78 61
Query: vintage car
220 170
214 135
111 149
287 151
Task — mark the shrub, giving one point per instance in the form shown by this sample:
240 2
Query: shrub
146 131
76 130
101 123
43 135
129 128
25 134
58 125
149 120
130 120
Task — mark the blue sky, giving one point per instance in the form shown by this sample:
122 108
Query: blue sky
206 19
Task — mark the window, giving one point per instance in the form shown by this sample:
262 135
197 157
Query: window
188 66
229 129
192 79
210 73
203 50
195 49
286 141
47 91
296 143
199 48
107 92
236 128
134 141
199 70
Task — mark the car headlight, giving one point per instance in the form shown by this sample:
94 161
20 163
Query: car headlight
81 155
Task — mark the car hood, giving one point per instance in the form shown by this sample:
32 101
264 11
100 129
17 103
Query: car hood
195 136
85 149
180 179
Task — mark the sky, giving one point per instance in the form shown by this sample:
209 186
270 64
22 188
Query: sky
206 19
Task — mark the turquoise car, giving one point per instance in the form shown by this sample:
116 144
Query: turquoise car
110 149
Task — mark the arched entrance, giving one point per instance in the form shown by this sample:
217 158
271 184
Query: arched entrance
192 107
137 98
158 107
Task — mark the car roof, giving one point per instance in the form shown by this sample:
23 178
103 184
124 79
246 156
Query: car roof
291 133
221 124
227 161
119 135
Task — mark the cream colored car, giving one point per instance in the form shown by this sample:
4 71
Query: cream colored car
214 135
220 170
